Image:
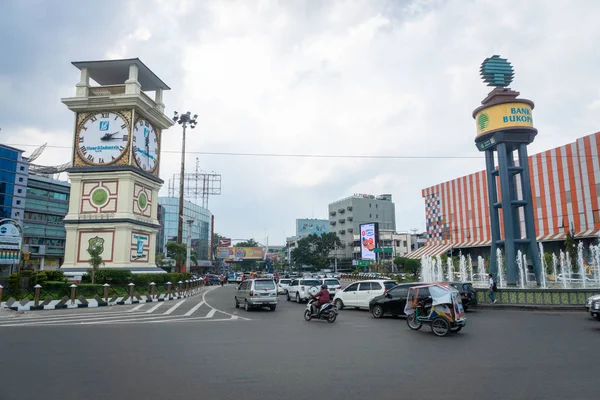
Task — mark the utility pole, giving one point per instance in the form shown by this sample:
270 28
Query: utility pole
188 260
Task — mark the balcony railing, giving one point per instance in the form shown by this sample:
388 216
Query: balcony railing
110 90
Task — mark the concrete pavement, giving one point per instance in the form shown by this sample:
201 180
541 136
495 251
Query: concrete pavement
277 355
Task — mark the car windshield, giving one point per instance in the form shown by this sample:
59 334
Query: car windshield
389 284
264 285
311 282
332 282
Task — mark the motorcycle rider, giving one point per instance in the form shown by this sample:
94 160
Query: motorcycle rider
321 298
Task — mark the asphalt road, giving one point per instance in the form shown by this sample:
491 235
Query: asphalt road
501 354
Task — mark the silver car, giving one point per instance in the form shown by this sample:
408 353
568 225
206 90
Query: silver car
256 293
282 285
333 285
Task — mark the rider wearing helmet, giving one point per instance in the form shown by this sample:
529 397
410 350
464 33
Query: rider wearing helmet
322 298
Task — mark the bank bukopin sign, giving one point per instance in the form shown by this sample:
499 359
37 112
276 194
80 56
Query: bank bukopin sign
504 116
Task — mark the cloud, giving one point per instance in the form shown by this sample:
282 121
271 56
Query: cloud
382 78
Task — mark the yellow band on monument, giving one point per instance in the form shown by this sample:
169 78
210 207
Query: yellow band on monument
506 115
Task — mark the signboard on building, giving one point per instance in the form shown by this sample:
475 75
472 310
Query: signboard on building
504 116
240 253
305 227
224 242
10 242
368 240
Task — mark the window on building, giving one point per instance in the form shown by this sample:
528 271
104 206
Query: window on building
370 215
22 168
20 179
538 202
376 205
19 190
17 213
568 196
369 205
376 215
18 202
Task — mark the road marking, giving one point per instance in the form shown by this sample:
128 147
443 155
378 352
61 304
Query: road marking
221 311
72 315
155 307
94 320
170 310
193 310
136 308
211 313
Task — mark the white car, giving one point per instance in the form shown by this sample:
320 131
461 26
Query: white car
283 285
303 289
359 294
333 285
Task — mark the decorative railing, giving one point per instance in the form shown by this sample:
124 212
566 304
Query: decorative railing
538 297
109 90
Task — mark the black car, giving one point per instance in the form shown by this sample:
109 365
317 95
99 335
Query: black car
391 302
467 293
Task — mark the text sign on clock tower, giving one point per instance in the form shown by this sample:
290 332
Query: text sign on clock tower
116 163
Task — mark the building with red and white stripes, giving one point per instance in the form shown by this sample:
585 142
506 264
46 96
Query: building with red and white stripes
565 185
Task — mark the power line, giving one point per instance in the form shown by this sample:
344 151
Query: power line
240 154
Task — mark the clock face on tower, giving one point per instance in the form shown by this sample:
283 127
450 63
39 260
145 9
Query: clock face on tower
102 138
145 145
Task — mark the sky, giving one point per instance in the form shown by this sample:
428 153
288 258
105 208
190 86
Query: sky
397 80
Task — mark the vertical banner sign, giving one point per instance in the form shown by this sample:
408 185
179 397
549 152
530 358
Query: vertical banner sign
368 241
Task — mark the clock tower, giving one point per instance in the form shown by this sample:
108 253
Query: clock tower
115 166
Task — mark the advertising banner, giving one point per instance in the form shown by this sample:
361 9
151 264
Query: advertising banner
368 241
10 242
504 116
240 253
305 227
224 242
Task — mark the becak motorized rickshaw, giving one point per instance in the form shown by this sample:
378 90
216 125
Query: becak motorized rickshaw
436 304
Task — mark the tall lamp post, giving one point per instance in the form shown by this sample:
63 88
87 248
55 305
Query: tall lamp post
183 120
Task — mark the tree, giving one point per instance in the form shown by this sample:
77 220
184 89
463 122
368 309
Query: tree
571 249
548 260
409 265
177 252
95 260
314 249
162 261
248 243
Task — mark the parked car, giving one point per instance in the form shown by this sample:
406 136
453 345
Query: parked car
256 293
574 278
359 294
391 302
592 305
302 289
333 285
467 293
283 285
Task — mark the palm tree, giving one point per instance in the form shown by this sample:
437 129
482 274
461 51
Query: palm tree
95 260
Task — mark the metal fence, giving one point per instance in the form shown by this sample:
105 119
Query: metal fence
539 297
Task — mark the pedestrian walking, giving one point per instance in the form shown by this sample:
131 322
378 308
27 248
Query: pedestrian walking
492 288
222 280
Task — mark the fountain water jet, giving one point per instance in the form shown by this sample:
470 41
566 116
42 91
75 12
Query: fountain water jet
543 264
462 266
470 268
500 264
450 267
580 262
481 268
521 269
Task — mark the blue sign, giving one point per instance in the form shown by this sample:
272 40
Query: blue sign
311 226
104 125
140 246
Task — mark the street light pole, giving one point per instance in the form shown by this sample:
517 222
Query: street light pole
188 260
183 120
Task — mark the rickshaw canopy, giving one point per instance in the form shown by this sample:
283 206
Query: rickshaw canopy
440 293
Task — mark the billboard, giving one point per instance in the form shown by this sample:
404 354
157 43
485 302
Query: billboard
224 242
368 240
305 227
240 253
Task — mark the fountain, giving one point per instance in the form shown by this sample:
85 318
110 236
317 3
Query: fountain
450 267
470 268
563 261
554 263
543 264
580 262
462 267
500 264
481 268
439 270
521 268
595 250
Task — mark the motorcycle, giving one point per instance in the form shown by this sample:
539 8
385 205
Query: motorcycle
328 312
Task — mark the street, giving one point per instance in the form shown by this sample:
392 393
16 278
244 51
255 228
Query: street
219 352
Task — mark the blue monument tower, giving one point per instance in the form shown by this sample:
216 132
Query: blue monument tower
505 127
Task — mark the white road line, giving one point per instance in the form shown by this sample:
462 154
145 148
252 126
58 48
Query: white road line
193 310
61 317
170 310
211 313
155 307
128 317
136 308
221 311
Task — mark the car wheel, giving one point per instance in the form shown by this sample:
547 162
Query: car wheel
297 298
272 307
377 311
440 327
246 305
339 304
597 316
237 305
287 296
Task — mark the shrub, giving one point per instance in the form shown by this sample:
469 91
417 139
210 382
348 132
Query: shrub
26 273
40 279
113 276
145 279
55 275
14 285
175 277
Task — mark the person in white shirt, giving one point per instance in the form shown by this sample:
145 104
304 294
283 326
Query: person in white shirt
491 288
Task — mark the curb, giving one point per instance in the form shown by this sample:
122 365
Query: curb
92 303
524 307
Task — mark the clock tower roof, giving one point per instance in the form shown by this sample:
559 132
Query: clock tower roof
116 72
